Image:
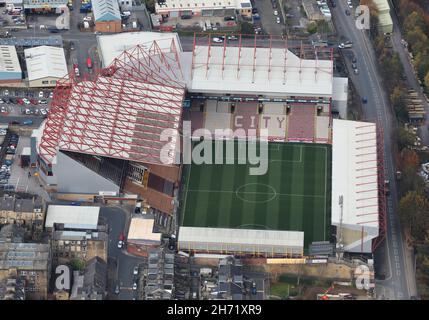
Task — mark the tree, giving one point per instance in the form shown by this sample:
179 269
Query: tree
397 98
414 213
150 5
77 264
246 28
411 181
404 137
410 159
427 81
312 27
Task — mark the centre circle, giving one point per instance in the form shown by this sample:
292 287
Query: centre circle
256 193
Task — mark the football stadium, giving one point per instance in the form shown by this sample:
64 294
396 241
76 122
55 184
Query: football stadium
104 132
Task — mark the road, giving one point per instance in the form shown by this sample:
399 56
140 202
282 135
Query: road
116 218
390 257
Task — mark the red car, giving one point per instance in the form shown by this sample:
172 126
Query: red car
20 101
34 101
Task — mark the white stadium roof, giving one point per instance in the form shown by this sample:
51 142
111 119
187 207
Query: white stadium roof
246 70
73 217
241 240
45 61
355 178
112 46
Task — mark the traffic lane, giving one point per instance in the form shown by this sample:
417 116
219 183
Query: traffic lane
345 27
116 219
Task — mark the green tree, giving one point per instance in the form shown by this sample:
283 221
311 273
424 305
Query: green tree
404 138
312 27
397 98
246 28
77 264
414 213
427 81
415 19
411 181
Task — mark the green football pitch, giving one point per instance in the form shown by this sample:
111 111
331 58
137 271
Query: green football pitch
293 195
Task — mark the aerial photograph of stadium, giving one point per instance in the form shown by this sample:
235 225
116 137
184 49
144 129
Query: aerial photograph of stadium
222 150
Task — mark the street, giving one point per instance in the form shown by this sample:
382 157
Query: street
390 256
116 218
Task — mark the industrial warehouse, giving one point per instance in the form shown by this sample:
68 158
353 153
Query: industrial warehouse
107 133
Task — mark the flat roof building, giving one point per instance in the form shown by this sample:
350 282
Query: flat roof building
175 8
73 217
10 69
45 66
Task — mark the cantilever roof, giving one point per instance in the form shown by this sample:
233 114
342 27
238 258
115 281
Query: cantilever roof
232 68
123 111
355 175
112 46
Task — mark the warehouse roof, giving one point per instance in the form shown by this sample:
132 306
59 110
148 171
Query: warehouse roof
112 46
161 6
9 60
106 10
45 61
73 217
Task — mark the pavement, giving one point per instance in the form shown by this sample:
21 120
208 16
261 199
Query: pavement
390 256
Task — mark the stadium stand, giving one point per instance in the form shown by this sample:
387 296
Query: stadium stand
217 116
246 117
301 122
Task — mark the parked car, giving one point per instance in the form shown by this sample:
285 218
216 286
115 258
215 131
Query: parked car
6 92
347 12
26 101
20 101
364 100
135 286
27 122
120 244
276 13
217 39
41 95
117 290
43 101
34 101
278 20
232 38
43 112
356 71
136 270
